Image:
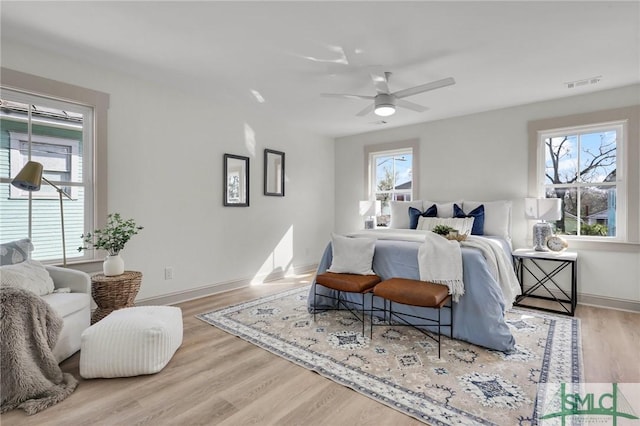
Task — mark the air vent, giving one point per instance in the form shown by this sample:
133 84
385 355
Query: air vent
585 82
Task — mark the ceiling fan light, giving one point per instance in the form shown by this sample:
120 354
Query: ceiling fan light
384 110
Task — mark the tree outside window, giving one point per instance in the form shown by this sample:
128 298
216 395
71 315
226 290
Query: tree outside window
580 168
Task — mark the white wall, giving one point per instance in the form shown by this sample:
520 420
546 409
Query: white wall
165 162
485 157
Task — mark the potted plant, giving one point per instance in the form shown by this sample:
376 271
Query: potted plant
112 239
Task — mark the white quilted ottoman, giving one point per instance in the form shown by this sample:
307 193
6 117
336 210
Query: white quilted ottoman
131 342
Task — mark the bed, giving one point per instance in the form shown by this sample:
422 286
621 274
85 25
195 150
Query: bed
479 311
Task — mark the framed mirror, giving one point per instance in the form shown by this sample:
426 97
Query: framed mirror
273 173
236 181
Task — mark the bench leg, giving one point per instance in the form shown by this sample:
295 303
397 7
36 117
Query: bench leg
439 334
343 302
425 332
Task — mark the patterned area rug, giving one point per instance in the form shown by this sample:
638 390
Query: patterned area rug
399 366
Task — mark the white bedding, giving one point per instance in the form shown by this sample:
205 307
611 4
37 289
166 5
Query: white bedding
500 266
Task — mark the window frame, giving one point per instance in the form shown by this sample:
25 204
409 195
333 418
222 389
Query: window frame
98 101
374 178
17 160
389 148
627 178
620 182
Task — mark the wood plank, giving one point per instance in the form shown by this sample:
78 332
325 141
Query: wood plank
610 344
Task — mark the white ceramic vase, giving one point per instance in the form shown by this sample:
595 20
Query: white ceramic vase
113 265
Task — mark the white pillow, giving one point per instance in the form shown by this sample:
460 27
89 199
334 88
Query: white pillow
352 255
497 217
29 275
444 209
462 225
400 213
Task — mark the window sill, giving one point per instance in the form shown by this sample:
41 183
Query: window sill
89 266
617 246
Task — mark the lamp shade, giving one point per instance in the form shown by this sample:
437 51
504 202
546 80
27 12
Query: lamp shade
548 209
29 178
367 208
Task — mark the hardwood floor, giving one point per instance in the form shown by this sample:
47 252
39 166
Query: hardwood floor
218 379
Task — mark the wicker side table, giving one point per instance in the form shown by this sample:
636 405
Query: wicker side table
111 293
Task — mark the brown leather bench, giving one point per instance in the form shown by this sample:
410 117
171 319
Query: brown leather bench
345 283
415 293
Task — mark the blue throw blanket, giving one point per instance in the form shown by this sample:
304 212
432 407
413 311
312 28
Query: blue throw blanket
478 315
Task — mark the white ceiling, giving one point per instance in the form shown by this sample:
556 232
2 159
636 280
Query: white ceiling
500 53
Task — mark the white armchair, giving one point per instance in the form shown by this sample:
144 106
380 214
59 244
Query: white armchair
74 308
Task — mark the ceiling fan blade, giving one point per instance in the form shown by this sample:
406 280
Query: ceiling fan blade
410 105
345 95
380 80
425 87
365 111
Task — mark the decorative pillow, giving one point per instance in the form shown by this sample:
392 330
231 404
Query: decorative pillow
477 214
444 209
462 225
497 216
352 255
15 251
399 213
414 215
29 275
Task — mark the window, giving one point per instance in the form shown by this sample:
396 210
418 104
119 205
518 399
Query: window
59 135
60 158
391 176
583 166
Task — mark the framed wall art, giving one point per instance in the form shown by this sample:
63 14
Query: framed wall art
273 173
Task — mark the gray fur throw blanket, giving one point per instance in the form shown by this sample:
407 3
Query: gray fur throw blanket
30 376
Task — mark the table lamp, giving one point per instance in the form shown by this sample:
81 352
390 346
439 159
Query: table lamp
544 210
367 209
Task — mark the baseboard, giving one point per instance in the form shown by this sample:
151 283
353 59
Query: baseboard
208 290
602 301
608 302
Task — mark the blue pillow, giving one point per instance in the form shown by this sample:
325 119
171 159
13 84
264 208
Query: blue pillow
478 218
414 215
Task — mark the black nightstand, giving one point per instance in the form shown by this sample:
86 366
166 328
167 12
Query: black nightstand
531 261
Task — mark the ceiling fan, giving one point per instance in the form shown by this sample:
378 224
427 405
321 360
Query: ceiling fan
385 103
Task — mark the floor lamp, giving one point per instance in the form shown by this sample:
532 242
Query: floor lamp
29 179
